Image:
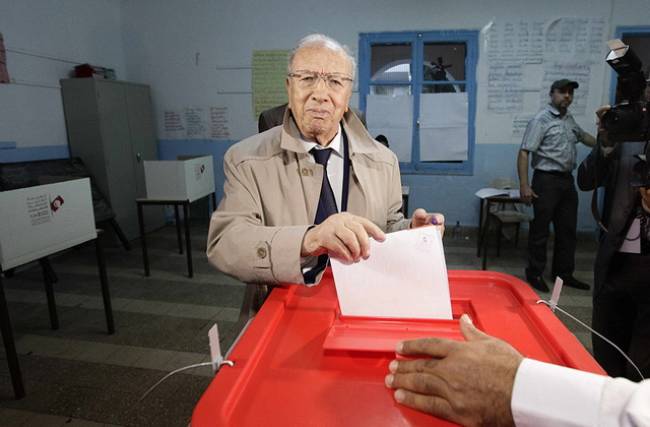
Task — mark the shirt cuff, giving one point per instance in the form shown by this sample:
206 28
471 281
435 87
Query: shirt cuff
307 264
551 395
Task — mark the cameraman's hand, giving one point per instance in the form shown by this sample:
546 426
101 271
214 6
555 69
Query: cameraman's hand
603 138
527 194
600 112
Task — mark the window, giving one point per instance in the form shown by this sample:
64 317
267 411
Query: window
419 90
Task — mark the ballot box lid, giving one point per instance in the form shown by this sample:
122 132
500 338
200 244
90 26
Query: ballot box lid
287 373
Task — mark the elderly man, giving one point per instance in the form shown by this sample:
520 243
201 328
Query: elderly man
317 186
552 136
486 382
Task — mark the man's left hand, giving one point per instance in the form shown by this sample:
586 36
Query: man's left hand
422 218
469 383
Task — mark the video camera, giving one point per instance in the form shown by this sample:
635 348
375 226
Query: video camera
629 120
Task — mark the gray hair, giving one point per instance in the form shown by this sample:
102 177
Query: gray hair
321 40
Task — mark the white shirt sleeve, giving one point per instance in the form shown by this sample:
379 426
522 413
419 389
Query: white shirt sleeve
551 395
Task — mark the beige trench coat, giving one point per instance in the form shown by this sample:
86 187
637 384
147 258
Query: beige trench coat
271 195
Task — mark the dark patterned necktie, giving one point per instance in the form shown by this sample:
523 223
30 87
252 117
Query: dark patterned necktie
326 201
326 207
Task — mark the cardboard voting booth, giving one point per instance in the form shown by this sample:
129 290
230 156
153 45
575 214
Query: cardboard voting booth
189 179
38 221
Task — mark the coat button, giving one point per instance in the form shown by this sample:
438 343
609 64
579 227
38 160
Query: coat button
261 252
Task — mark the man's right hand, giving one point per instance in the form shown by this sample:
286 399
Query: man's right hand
469 383
343 236
527 194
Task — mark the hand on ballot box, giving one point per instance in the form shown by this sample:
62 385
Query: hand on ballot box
469 382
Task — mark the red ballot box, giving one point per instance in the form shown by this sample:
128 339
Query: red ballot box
300 363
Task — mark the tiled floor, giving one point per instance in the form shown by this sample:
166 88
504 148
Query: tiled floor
80 376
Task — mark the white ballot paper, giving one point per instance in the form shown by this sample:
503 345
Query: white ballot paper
404 277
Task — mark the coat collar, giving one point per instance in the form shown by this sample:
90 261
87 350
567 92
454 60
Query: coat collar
358 138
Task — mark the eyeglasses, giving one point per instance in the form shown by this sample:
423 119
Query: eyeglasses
309 79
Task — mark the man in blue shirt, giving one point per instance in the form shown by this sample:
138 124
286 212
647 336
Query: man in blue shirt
551 137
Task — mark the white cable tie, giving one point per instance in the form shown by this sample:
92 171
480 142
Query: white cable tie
557 291
198 365
549 304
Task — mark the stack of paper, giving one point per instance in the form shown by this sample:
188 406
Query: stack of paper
484 193
404 277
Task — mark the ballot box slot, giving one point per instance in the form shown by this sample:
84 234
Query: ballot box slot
379 334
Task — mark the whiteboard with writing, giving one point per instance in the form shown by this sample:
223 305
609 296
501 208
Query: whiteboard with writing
38 221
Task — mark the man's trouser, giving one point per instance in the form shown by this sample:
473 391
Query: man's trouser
557 203
622 314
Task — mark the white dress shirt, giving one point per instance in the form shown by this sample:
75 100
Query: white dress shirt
551 395
335 176
334 165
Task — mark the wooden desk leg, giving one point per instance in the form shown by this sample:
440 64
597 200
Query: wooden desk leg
188 244
10 346
49 291
103 279
484 240
143 241
480 228
178 230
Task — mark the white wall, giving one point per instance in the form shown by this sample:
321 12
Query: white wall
198 53
162 41
225 33
44 41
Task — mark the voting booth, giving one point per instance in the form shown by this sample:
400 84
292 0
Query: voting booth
36 222
300 362
189 179
177 183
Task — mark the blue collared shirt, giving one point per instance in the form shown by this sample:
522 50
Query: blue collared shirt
552 139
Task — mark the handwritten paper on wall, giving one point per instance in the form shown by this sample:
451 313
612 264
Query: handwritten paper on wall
576 38
405 277
519 125
505 93
219 123
516 41
196 123
173 125
525 56
578 71
443 126
392 116
269 75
